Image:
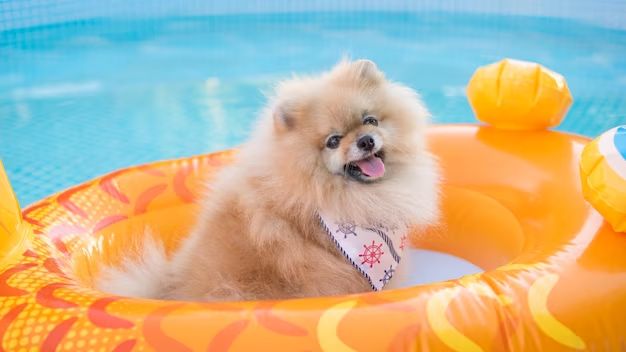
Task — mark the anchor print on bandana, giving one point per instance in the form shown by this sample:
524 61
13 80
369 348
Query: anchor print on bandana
388 275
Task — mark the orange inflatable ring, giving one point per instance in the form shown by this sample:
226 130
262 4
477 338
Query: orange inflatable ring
554 272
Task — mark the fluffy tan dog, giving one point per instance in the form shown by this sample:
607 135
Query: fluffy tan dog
348 142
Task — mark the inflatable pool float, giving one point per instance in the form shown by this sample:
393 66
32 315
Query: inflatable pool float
554 271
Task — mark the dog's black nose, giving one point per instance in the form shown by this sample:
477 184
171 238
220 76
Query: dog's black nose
366 143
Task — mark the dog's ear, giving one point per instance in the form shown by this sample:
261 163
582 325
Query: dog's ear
362 71
366 70
284 120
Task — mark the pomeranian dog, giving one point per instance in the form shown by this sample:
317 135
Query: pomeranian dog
348 143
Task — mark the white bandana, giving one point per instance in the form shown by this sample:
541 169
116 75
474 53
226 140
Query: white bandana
374 250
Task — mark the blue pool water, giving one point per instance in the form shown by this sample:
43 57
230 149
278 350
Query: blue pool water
83 98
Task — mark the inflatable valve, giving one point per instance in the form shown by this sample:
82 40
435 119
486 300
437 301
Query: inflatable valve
518 95
603 176
13 230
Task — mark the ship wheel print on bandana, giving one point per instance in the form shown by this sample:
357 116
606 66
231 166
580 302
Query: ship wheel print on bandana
372 253
346 228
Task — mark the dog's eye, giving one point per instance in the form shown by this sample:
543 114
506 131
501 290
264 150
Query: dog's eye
370 120
333 141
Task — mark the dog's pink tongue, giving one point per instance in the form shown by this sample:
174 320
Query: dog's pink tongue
372 166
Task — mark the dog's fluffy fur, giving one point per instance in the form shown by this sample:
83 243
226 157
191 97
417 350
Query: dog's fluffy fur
258 236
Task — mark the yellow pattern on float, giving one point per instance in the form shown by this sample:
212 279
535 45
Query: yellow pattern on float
436 309
328 326
538 294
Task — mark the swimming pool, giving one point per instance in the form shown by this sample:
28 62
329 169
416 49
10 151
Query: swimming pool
84 97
